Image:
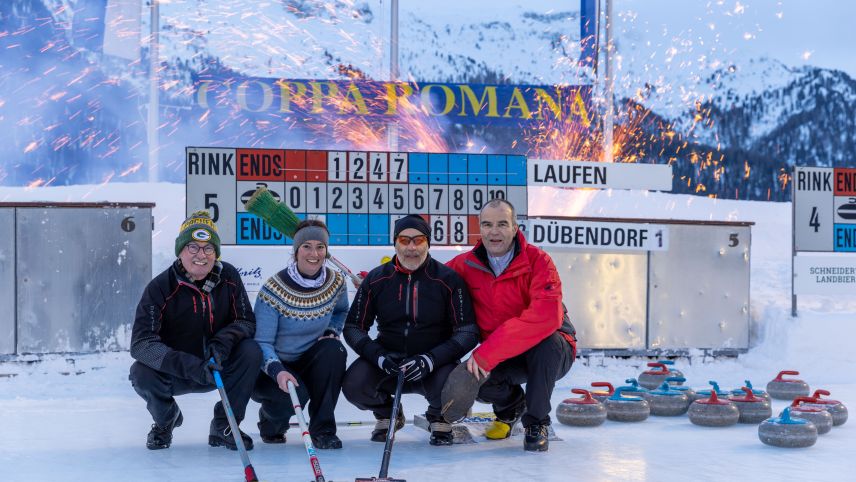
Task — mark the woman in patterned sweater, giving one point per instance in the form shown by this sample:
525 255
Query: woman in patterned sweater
300 312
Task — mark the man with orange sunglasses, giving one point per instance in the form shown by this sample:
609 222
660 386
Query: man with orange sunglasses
425 324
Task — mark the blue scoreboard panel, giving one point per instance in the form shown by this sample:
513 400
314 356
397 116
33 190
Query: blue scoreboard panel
358 194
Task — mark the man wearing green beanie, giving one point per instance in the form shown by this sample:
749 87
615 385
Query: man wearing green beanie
195 310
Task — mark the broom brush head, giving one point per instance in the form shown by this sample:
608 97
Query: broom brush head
276 214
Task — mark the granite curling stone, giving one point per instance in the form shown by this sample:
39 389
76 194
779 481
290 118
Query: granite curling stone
626 409
705 393
802 407
652 379
677 383
581 412
633 389
713 412
787 432
755 391
602 395
787 388
673 372
834 407
752 409
668 402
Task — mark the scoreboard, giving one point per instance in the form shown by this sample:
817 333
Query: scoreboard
824 209
358 194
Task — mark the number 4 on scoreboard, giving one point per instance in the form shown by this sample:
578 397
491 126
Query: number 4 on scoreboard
814 219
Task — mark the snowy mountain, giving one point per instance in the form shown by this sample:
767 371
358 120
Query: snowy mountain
802 115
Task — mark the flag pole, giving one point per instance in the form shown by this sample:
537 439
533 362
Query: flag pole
392 125
152 124
609 86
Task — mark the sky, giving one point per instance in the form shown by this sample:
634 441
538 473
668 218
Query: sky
795 32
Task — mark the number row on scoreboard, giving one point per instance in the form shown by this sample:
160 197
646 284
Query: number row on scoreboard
379 167
361 229
343 198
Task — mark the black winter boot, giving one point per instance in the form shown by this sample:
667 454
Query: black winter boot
273 439
382 427
326 441
221 436
441 433
161 438
536 439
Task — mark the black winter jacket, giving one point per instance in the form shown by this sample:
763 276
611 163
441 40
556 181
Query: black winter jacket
176 318
426 311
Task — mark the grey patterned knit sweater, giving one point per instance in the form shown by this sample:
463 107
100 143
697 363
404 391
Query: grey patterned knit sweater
289 318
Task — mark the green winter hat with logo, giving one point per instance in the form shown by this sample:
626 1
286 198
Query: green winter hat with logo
198 227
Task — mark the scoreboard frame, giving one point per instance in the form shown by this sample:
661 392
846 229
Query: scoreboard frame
823 220
359 194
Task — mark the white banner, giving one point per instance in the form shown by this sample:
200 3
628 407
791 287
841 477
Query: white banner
599 175
825 275
597 235
122 29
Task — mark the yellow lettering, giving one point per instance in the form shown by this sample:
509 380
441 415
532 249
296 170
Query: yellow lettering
267 96
520 105
318 95
468 94
555 105
355 94
578 107
285 94
392 96
426 99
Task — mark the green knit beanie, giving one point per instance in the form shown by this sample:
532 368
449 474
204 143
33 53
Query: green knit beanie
198 227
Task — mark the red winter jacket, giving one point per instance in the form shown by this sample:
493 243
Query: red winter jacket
516 310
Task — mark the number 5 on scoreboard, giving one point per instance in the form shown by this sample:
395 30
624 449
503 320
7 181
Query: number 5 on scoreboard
211 206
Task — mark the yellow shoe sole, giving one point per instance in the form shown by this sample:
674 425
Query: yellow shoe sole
497 430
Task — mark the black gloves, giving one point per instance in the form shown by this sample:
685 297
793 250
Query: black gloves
387 365
218 352
417 367
202 374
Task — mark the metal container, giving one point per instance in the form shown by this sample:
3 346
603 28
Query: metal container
7 280
699 294
694 294
606 294
80 270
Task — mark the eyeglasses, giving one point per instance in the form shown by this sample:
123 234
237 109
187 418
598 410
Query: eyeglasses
208 249
416 240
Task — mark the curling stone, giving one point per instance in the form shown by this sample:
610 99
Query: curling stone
713 412
755 391
704 394
834 407
787 389
803 407
626 409
673 372
633 389
668 402
652 379
788 432
677 383
601 395
752 409
581 412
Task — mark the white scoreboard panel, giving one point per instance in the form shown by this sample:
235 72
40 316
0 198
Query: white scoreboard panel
358 194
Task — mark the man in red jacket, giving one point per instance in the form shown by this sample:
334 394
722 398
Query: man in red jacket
526 337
